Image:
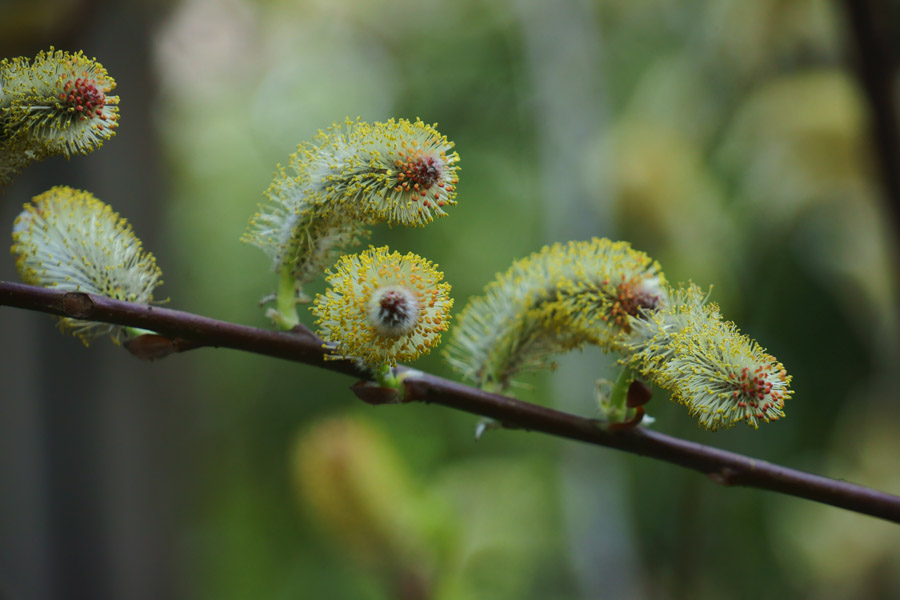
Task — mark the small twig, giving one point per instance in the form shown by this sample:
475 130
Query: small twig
726 468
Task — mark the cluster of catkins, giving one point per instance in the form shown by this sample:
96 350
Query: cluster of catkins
56 103
349 177
381 307
605 293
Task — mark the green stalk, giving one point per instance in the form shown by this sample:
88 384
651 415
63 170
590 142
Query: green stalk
618 409
285 315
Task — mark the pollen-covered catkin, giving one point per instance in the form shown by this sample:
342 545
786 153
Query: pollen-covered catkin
382 307
351 176
560 298
722 376
68 240
56 103
607 294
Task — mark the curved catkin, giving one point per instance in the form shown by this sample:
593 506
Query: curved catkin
382 307
351 176
722 376
604 293
56 103
560 298
68 240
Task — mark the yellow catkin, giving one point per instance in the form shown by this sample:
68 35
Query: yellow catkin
720 375
371 313
349 177
560 298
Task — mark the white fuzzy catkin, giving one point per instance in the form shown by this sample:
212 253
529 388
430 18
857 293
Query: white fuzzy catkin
68 240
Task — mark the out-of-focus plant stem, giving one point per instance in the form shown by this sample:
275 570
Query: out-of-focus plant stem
188 331
872 38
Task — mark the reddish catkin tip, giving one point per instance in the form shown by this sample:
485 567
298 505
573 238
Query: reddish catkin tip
84 96
721 375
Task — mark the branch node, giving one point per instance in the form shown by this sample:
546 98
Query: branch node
631 423
301 329
153 346
150 346
415 390
375 395
77 304
725 476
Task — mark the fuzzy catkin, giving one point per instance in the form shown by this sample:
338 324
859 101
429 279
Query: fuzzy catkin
563 297
56 103
68 240
383 307
604 293
352 176
720 375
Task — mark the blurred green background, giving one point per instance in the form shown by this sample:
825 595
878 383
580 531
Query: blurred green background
726 138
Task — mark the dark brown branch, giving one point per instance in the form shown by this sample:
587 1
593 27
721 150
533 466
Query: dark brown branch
726 468
876 66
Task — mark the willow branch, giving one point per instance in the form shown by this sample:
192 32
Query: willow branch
186 331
